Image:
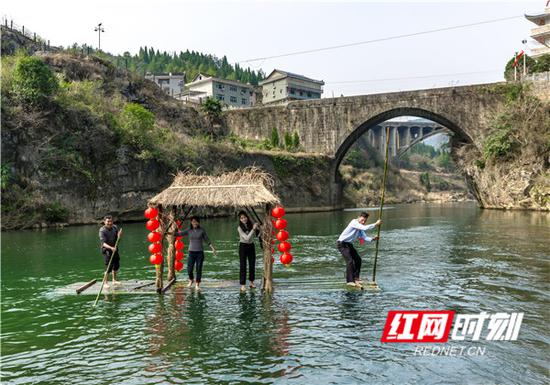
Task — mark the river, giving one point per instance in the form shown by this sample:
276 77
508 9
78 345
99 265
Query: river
311 331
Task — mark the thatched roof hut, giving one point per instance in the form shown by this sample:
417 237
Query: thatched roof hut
247 188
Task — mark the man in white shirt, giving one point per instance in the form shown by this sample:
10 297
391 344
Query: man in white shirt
355 229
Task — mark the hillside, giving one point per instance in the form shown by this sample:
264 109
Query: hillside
81 138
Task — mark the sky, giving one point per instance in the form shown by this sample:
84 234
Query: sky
257 29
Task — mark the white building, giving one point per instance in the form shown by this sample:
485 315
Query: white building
229 92
282 85
172 84
541 33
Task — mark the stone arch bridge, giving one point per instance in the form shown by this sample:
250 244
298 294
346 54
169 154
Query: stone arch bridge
331 126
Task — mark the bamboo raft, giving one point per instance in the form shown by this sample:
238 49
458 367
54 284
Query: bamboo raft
142 287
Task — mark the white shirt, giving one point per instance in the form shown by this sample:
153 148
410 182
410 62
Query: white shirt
354 231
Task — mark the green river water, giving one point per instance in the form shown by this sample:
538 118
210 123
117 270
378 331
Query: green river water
453 256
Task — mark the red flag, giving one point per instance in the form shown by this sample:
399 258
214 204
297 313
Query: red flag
518 56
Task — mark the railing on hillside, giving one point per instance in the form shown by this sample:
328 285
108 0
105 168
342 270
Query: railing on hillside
27 33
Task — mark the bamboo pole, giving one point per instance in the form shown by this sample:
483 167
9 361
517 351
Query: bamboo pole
383 193
84 287
170 253
267 228
159 269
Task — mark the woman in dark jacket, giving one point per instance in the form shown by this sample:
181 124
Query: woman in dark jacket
197 235
247 251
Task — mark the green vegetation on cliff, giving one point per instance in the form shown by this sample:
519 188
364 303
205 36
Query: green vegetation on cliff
96 134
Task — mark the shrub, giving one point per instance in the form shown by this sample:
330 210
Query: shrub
289 144
425 181
444 161
296 140
55 212
5 175
33 82
212 107
136 124
274 138
498 144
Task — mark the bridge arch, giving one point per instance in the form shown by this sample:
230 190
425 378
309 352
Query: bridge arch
459 133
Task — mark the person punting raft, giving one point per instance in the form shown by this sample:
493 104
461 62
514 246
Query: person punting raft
356 229
108 236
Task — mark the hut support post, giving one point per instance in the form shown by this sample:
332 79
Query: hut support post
267 228
160 268
171 227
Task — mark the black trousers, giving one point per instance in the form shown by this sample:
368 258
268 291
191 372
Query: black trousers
115 263
353 260
195 257
247 251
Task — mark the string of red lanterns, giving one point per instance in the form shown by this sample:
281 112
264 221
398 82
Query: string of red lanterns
155 248
282 235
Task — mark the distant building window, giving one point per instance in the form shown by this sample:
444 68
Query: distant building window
233 99
301 93
292 91
243 101
309 94
243 90
232 88
220 86
220 97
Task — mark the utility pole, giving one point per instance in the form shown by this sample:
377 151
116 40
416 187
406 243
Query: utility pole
99 29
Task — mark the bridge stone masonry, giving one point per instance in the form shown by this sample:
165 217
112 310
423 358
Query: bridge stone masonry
331 126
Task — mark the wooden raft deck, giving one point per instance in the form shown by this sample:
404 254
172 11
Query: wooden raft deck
142 287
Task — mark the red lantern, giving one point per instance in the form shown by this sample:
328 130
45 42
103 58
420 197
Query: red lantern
179 255
272 241
282 235
155 259
178 265
284 247
179 238
152 224
153 237
278 212
272 251
178 224
155 248
280 224
151 213
286 258
272 260
178 245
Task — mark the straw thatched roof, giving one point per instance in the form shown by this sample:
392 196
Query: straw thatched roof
246 187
